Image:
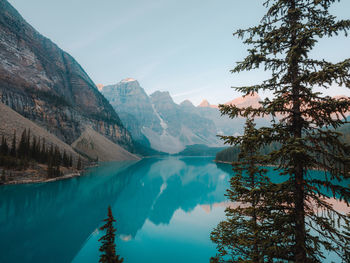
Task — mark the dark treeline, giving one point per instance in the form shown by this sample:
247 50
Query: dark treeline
231 154
15 155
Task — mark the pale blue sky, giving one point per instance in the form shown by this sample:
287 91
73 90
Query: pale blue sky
183 46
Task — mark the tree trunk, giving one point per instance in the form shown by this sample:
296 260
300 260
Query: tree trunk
297 122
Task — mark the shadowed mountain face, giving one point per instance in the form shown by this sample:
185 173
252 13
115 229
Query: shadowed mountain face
134 107
46 85
156 120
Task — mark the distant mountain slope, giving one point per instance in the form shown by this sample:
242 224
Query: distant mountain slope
188 127
200 150
223 123
96 146
46 85
156 120
134 108
12 121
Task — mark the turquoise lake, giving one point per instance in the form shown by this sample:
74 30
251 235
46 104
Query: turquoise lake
165 210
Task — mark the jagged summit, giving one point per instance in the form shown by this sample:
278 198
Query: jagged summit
128 80
187 104
163 96
126 87
204 103
250 100
99 86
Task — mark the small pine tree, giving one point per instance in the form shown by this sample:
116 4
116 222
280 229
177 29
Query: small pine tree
65 159
50 169
33 148
57 157
28 144
79 165
13 146
3 177
71 161
4 147
22 147
108 241
43 152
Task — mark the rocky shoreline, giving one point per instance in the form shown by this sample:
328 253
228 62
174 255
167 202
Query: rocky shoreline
36 173
43 180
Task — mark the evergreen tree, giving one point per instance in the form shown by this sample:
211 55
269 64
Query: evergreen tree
71 161
23 147
57 159
43 152
3 177
79 165
108 241
346 253
306 120
13 146
248 234
28 144
4 147
50 169
65 159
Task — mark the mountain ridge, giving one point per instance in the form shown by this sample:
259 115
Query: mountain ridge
156 120
48 86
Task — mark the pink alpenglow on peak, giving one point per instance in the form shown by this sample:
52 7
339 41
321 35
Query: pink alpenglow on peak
99 86
128 80
247 101
206 104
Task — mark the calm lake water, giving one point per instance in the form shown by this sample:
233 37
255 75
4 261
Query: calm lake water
165 210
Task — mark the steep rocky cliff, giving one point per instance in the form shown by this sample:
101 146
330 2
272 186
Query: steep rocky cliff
134 107
46 85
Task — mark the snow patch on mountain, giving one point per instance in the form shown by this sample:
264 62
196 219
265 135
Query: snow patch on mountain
162 122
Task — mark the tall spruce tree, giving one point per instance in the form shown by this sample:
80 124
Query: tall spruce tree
249 234
304 119
108 241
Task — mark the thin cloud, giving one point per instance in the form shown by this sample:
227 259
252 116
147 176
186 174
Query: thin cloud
107 27
191 92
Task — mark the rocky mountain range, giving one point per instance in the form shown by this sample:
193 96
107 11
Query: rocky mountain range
47 86
156 120
225 125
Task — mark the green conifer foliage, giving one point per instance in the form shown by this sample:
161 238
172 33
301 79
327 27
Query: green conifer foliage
304 119
13 146
32 149
79 164
70 161
248 234
4 147
346 253
3 177
22 147
107 249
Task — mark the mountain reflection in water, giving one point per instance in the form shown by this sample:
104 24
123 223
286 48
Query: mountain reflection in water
52 222
165 210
